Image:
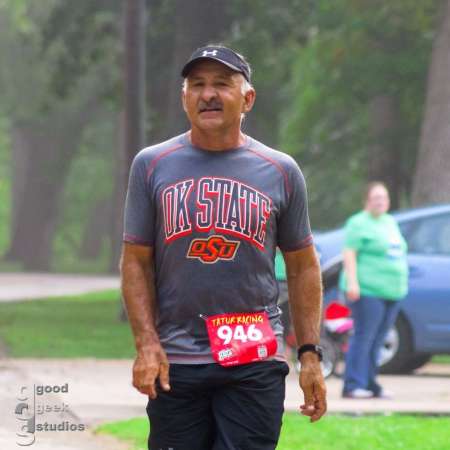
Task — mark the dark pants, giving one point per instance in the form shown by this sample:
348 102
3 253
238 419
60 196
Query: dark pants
373 317
210 407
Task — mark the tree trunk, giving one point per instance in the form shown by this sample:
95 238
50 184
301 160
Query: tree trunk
133 115
97 226
131 122
46 148
432 177
197 23
384 159
49 152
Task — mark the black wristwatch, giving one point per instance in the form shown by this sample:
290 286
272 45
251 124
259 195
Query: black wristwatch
317 349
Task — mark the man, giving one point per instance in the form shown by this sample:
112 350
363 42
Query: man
204 214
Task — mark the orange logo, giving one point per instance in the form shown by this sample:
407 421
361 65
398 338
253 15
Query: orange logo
212 249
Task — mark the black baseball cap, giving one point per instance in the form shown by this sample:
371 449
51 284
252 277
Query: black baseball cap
221 54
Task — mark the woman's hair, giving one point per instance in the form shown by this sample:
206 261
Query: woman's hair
370 186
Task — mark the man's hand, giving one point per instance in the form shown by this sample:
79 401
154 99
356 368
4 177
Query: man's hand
150 364
313 386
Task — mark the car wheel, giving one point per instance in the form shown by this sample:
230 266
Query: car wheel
397 349
418 360
330 355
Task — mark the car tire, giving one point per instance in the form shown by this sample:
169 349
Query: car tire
400 362
330 355
417 361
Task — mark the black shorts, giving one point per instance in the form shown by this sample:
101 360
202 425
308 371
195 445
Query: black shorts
210 407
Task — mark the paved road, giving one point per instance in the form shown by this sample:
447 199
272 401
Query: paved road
100 391
29 286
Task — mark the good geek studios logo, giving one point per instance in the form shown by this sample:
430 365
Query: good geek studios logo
39 408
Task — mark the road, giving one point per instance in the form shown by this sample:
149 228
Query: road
31 286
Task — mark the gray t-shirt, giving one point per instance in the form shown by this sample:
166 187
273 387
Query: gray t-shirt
214 219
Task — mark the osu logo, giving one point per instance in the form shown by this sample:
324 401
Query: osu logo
212 249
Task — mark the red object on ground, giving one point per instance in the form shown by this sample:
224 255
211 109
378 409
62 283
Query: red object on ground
337 310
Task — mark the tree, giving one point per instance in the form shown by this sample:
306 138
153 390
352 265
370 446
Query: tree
134 100
48 110
357 90
432 177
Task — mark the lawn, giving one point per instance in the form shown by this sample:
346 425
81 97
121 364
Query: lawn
73 327
331 433
66 327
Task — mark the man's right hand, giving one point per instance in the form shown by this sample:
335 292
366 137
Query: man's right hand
150 364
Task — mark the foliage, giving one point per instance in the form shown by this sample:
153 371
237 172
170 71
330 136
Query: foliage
330 433
66 327
317 66
269 35
355 51
71 65
5 185
90 183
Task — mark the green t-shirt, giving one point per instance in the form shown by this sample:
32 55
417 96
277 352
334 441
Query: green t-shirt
280 268
382 269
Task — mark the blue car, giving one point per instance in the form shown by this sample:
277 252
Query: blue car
423 325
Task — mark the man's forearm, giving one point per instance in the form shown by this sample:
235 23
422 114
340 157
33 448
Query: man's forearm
138 290
305 300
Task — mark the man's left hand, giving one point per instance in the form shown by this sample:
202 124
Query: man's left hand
313 386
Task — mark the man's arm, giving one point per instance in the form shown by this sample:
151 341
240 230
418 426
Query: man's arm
305 301
138 290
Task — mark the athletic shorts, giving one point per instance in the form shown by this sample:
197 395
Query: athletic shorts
210 407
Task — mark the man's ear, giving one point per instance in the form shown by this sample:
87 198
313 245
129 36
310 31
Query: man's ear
183 99
249 101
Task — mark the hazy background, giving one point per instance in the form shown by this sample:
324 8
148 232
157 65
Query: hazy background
355 90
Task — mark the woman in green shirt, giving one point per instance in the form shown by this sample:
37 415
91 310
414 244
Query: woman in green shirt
374 279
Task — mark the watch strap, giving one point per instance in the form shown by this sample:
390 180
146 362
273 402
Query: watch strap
310 348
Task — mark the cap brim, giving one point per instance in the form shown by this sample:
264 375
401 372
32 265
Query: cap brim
188 67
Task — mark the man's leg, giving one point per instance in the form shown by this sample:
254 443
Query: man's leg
367 314
181 419
249 407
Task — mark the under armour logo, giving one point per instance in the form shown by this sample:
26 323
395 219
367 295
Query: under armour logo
211 53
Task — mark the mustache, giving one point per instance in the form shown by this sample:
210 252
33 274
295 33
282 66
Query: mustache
214 104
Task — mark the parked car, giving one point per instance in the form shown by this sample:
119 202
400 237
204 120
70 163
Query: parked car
423 325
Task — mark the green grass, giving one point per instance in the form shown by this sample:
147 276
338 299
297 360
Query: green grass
331 433
66 327
441 359
73 327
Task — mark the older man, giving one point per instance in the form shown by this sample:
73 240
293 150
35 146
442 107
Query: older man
204 214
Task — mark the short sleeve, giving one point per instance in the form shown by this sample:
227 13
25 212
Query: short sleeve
294 230
353 237
139 214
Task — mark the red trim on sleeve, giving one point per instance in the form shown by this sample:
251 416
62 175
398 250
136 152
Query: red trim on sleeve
277 165
152 165
302 244
136 240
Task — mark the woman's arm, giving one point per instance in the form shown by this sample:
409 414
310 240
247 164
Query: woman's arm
350 267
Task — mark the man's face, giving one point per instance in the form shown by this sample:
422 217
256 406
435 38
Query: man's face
213 98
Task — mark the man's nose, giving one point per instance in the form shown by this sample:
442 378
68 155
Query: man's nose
208 93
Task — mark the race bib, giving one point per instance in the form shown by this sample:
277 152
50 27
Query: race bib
240 338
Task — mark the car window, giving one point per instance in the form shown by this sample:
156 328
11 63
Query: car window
429 235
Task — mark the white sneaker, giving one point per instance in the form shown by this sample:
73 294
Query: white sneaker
358 393
385 394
